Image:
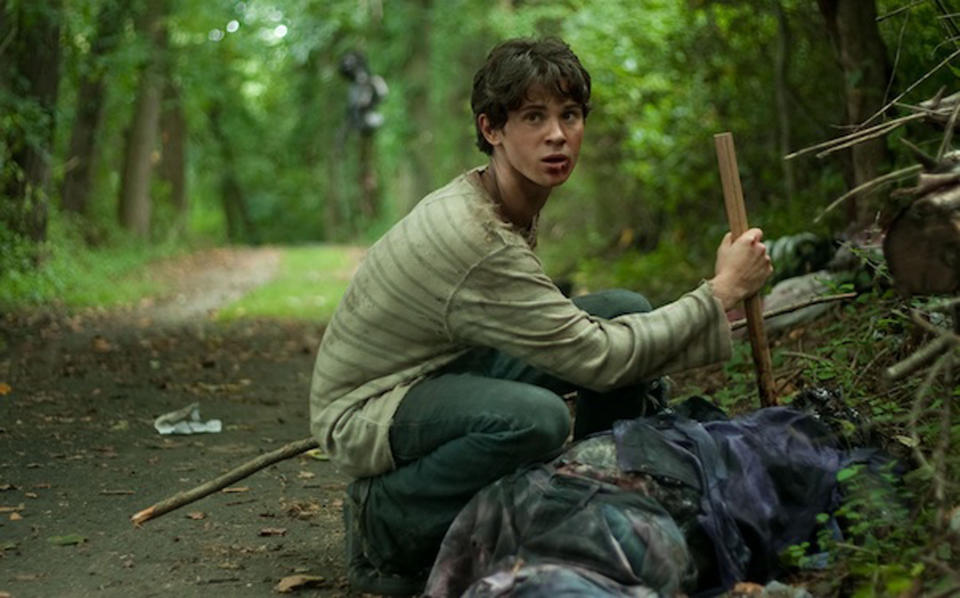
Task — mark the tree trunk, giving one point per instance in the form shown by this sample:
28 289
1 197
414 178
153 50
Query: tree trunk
239 225
75 191
134 205
852 27
783 109
418 74
173 158
30 60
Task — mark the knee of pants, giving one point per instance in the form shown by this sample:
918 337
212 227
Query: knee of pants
612 303
548 425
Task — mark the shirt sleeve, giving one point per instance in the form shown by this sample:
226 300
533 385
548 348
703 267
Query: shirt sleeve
506 301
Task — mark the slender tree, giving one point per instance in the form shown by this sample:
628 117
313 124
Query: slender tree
30 62
173 160
91 91
134 204
862 55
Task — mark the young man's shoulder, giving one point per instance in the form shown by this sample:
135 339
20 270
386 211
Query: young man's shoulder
460 212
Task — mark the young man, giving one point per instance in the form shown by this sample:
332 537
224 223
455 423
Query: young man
444 364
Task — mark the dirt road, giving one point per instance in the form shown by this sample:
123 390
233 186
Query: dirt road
79 453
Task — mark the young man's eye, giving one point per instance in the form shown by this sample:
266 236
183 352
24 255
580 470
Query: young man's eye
572 115
533 117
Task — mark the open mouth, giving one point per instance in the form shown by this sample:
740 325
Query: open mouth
556 160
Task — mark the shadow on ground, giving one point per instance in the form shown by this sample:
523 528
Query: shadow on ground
79 455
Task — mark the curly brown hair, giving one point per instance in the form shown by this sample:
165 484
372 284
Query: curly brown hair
512 67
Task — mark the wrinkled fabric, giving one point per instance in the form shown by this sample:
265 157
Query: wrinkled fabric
516 580
541 516
739 491
764 478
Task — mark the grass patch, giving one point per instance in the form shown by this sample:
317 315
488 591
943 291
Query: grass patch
308 286
65 271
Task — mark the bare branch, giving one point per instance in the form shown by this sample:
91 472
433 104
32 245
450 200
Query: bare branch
872 184
238 473
736 324
913 86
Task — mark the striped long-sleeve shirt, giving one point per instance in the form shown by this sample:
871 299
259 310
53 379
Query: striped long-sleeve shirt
453 275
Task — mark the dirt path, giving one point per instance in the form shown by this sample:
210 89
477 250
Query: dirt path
79 454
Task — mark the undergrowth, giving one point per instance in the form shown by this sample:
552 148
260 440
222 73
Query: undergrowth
897 531
64 270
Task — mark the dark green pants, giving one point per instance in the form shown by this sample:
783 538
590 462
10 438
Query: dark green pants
474 421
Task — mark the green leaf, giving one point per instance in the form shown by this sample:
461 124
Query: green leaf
846 473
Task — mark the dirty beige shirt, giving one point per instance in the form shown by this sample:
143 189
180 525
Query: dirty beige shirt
452 275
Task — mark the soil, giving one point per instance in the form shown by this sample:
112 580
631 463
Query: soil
79 454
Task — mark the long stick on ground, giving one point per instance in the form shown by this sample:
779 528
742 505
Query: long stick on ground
737 216
238 473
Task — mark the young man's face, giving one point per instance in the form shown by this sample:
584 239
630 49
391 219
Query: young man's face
541 139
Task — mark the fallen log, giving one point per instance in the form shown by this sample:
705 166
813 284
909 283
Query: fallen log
238 473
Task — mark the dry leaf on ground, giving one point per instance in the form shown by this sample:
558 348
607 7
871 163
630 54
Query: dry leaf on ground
295 582
273 531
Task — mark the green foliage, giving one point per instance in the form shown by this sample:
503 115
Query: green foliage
65 271
309 286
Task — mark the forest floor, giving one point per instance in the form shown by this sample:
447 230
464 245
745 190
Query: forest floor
79 454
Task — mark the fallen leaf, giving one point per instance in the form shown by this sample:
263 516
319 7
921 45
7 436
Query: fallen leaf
4 388
295 582
273 531
196 515
8 546
6 595
4 487
907 441
68 540
101 345
121 426
306 475
317 454
26 576
15 516
235 489
11 509
30 494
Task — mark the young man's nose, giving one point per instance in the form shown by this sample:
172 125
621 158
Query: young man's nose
555 132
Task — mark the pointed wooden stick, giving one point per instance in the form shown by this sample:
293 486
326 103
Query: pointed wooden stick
238 473
737 217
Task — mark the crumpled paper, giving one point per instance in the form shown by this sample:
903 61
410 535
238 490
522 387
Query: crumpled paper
186 421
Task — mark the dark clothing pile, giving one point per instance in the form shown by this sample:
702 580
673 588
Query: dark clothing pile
662 504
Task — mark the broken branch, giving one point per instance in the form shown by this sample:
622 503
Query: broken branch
238 473
737 324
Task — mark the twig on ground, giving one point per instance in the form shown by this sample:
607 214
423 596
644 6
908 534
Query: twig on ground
805 356
238 473
919 358
737 324
919 403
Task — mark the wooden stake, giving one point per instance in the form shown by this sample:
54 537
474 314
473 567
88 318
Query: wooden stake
238 473
737 217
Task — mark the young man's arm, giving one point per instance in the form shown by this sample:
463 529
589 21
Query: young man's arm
508 303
